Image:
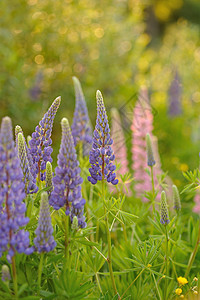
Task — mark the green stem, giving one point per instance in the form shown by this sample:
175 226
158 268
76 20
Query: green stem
80 146
97 249
192 257
124 232
166 262
131 283
153 191
98 282
14 273
156 285
97 231
40 271
66 242
109 259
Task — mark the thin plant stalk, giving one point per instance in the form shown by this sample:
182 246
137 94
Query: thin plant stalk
153 191
166 261
97 231
96 249
98 282
156 285
40 270
66 243
192 257
109 259
14 273
80 147
131 284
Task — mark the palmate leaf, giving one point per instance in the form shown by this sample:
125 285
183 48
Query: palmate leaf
146 253
94 259
72 285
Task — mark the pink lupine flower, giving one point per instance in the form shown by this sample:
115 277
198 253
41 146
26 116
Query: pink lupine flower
196 208
119 148
143 124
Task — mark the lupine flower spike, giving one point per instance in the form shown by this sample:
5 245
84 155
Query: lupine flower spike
49 177
40 148
29 180
101 154
12 208
67 181
164 214
18 130
150 157
81 128
142 124
119 146
44 240
176 198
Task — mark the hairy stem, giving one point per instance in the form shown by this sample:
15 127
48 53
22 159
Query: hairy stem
166 262
98 282
109 259
131 284
156 285
153 191
40 271
66 242
14 273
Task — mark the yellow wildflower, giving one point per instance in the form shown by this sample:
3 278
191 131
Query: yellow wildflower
178 291
149 265
182 280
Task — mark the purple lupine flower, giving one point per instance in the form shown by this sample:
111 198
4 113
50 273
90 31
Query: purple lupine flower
12 208
18 130
40 148
44 240
175 91
67 181
29 180
101 154
164 214
81 128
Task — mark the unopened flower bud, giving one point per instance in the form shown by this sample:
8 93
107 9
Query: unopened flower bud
164 214
150 157
176 198
5 273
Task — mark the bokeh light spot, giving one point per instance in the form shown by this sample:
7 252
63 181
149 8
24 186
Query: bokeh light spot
39 59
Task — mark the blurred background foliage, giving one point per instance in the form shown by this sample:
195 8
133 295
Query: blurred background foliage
115 46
